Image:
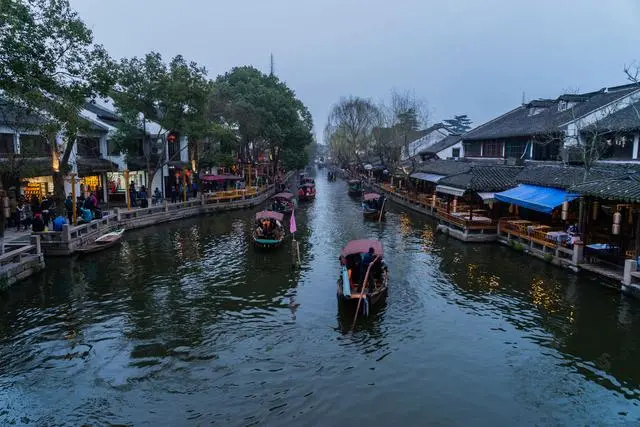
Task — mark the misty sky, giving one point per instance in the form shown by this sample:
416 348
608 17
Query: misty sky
461 56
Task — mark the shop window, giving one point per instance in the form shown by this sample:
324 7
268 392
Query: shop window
455 153
88 147
515 150
112 148
34 146
472 149
6 143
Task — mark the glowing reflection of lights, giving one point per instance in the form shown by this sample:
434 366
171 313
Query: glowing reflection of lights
547 296
405 224
427 239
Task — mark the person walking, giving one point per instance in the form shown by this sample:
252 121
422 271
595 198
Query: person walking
68 207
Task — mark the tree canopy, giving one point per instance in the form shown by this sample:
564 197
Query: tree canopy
266 115
459 124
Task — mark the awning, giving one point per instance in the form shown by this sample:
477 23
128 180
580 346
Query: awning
429 177
487 197
93 165
450 190
541 199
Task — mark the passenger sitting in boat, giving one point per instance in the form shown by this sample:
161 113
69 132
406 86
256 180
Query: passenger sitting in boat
259 231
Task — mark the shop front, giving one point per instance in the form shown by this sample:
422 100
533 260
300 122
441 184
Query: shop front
38 186
117 185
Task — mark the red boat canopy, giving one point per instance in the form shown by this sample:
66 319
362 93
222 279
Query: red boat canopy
212 178
270 215
362 246
371 196
284 195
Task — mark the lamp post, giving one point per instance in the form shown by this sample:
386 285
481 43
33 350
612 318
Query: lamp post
73 199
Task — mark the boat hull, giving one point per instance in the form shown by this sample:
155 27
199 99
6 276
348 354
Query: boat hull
266 244
372 215
306 198
355 193
352 301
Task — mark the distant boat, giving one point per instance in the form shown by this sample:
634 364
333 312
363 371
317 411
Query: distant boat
352 274
103 242
373 206
355 187
307 191
283 202
269 232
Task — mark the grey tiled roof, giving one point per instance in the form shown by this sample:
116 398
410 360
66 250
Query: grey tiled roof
627 118
624 188
562 176
442 144
520 121
485 178
444 167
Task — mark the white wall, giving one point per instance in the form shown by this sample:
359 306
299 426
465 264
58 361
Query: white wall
426 141
448 152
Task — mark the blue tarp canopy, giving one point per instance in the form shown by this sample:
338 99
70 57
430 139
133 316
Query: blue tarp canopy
541 199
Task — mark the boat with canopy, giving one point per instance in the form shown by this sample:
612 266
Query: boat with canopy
283 202
355 187
363 277
306 192
373 206
269 231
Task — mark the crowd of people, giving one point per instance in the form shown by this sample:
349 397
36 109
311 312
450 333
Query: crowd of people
34 214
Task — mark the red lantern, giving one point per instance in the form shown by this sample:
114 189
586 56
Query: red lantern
172 137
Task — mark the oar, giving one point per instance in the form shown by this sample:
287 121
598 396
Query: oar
362 292
382 210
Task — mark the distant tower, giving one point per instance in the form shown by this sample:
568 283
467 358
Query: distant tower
523 98
271 67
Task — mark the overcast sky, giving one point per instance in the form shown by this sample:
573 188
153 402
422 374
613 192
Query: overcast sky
461 56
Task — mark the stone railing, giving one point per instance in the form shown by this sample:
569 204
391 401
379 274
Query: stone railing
19 261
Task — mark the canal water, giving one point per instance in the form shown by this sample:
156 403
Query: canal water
187 324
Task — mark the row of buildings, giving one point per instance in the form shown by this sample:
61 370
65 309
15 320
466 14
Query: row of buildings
28 160
557 178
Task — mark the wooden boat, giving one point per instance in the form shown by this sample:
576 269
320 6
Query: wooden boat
103 242
353 272
269 232
306 192
331 176
373 206
283 202
355 187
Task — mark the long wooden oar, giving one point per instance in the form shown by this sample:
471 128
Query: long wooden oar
382 210
362 292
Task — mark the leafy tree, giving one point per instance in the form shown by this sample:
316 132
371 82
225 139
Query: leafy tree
50 65
459 124
265 113
153 99
349 129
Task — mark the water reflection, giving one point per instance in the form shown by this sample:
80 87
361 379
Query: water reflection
187 323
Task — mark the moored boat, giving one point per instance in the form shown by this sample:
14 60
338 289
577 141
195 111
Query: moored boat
283 202
355 187
331 176
363 274
306 192
269 231
103 242
373 206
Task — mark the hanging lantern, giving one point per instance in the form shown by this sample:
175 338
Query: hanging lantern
565 210
455 203
596 208
617 218
433 200
491 205
510 209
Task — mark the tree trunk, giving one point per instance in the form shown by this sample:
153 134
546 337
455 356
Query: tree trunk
58 177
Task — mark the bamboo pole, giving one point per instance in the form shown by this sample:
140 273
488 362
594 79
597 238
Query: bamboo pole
362 292
74 206
382 210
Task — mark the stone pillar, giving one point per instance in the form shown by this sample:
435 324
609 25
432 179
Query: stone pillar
66 232
166 206
630 266
35 240
578 252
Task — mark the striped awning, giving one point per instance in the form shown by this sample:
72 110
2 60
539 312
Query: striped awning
450 190
429 177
